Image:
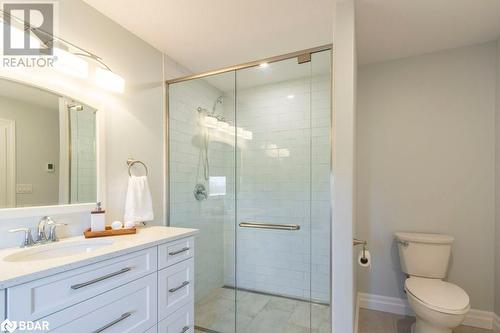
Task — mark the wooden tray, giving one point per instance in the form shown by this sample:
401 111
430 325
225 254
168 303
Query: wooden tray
109 232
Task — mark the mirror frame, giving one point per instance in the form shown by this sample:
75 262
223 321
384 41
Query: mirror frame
50 86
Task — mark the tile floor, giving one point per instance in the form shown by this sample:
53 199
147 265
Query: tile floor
382 322
271 314
259 313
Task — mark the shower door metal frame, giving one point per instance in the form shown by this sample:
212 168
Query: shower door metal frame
297 54
252 63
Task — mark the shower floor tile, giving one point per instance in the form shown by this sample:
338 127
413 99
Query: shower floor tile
259 313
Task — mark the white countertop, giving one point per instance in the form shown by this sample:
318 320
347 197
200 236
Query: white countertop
17 272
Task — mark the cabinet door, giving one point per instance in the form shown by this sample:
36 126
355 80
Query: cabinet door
128 309
181 321
175 287
42 297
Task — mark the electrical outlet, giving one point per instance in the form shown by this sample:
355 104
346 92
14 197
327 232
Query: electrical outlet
24 188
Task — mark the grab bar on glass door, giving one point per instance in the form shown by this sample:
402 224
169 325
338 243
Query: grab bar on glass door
258 225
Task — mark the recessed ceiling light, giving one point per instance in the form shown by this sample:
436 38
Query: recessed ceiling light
264 65
290 96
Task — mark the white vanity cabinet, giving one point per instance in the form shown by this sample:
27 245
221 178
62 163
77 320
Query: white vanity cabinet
2 305
150 290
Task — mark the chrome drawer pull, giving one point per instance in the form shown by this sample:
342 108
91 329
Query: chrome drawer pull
185 329
173 290
114 322
85 284
179 251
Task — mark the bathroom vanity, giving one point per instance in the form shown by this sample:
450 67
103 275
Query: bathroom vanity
134 283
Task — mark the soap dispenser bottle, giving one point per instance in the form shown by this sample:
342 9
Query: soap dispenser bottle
98 219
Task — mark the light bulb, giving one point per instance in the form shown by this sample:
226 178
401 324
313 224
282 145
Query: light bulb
222 125
71 64
109 80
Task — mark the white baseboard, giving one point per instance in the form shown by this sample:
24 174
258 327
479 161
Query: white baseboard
496 323
475 318
386 304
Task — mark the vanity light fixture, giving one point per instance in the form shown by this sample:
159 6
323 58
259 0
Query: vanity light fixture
220 124
211 122
68 61
110 81
71 64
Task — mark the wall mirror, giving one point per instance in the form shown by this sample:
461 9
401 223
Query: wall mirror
47 148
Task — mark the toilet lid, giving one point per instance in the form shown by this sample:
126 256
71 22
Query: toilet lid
443 296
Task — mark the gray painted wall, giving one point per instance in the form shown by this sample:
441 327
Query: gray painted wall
426 139
37 142
497 187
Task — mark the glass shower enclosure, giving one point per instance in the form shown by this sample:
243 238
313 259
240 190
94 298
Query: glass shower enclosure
249 164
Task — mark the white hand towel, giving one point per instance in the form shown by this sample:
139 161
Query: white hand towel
138 205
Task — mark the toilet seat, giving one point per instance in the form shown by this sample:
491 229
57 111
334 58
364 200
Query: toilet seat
438 295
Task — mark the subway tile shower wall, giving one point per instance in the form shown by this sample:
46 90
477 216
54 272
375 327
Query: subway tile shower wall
186 171
283 178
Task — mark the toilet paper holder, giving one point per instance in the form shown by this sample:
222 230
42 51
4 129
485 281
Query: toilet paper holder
357 242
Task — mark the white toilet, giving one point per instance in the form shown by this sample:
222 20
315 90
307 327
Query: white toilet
439 306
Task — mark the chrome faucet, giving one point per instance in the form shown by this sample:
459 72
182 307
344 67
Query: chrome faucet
52 231
28 240
41 236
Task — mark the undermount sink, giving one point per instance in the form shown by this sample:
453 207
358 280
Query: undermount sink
57 250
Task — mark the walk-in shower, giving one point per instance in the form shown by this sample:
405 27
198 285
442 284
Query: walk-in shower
249 162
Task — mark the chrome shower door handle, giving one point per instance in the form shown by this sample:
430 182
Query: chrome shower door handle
260 225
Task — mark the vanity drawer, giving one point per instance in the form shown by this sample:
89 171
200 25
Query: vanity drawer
181 321
129 308
43 297
175 287
174 252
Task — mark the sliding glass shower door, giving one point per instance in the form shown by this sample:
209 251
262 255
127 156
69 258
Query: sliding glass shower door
249 166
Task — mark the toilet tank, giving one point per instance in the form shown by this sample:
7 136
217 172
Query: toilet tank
424 255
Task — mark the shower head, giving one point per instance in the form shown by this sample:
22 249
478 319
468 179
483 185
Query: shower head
219 100
75 107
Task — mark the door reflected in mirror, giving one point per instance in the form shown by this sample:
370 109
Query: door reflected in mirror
47 148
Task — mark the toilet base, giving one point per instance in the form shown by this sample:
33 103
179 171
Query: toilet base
421 326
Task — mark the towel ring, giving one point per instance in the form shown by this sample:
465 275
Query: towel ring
131 162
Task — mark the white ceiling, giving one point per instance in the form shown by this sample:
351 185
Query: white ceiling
204 35
392 29
281 71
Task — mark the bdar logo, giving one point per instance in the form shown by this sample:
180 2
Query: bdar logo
8 326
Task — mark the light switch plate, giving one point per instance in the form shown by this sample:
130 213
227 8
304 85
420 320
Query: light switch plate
24 188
